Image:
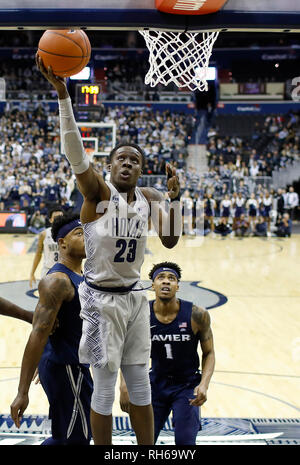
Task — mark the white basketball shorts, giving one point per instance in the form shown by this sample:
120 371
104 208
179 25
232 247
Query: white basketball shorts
115 329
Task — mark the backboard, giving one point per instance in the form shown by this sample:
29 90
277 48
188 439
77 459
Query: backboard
234 15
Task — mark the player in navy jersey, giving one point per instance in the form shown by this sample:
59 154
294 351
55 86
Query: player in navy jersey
177 328
67 383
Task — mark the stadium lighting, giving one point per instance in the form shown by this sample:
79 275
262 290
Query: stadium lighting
83 75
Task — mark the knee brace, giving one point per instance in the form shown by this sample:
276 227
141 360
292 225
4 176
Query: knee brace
138 383
104 390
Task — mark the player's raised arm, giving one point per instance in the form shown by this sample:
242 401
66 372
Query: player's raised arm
91 184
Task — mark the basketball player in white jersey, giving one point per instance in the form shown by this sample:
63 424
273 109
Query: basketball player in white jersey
114 306
46 246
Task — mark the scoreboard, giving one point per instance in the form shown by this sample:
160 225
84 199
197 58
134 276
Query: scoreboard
88 95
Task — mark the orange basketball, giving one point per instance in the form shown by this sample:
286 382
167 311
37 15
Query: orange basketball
66 51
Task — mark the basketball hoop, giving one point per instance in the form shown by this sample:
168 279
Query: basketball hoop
179 57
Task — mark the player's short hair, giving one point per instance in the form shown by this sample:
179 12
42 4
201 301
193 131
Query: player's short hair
61 221
128 144
171 265
53 209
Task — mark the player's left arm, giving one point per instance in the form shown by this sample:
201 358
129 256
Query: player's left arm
202 326
54 289
7 308
167 222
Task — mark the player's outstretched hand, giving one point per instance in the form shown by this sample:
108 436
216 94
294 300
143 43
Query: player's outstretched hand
172 182
57 82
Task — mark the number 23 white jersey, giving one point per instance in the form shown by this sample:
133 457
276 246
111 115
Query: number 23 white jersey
115 243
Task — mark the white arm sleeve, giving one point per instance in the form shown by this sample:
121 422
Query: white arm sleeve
71 140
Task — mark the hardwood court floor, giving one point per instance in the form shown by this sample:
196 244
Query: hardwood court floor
255 319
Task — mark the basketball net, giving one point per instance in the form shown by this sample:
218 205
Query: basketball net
179 57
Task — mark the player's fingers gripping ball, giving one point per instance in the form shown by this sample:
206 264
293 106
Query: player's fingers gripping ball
66 51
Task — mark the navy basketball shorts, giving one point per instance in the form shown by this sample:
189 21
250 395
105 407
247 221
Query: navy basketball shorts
69 389
171 395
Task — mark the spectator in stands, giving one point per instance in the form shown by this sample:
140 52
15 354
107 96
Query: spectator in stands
254 169
25 193
224 190
37 223
252 210
267 204
52 193
222 227
37 194
238 205
187 212
209 211
284 228
159 185
260 200
225 208
261 227
207 229
280 202
180 161
243 189
241 226
4 193
292 200
64 191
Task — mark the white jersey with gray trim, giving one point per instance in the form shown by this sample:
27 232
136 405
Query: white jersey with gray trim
50 249
115 243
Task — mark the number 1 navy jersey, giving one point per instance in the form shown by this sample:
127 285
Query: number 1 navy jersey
62 346
174 345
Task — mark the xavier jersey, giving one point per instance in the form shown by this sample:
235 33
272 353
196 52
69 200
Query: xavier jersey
115 243
174 345
62 346
50 250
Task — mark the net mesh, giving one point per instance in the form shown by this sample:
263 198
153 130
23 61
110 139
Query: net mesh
179 57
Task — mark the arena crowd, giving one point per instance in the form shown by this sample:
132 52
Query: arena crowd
34 175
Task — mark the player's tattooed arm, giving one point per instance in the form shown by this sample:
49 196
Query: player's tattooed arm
54 289
201 320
